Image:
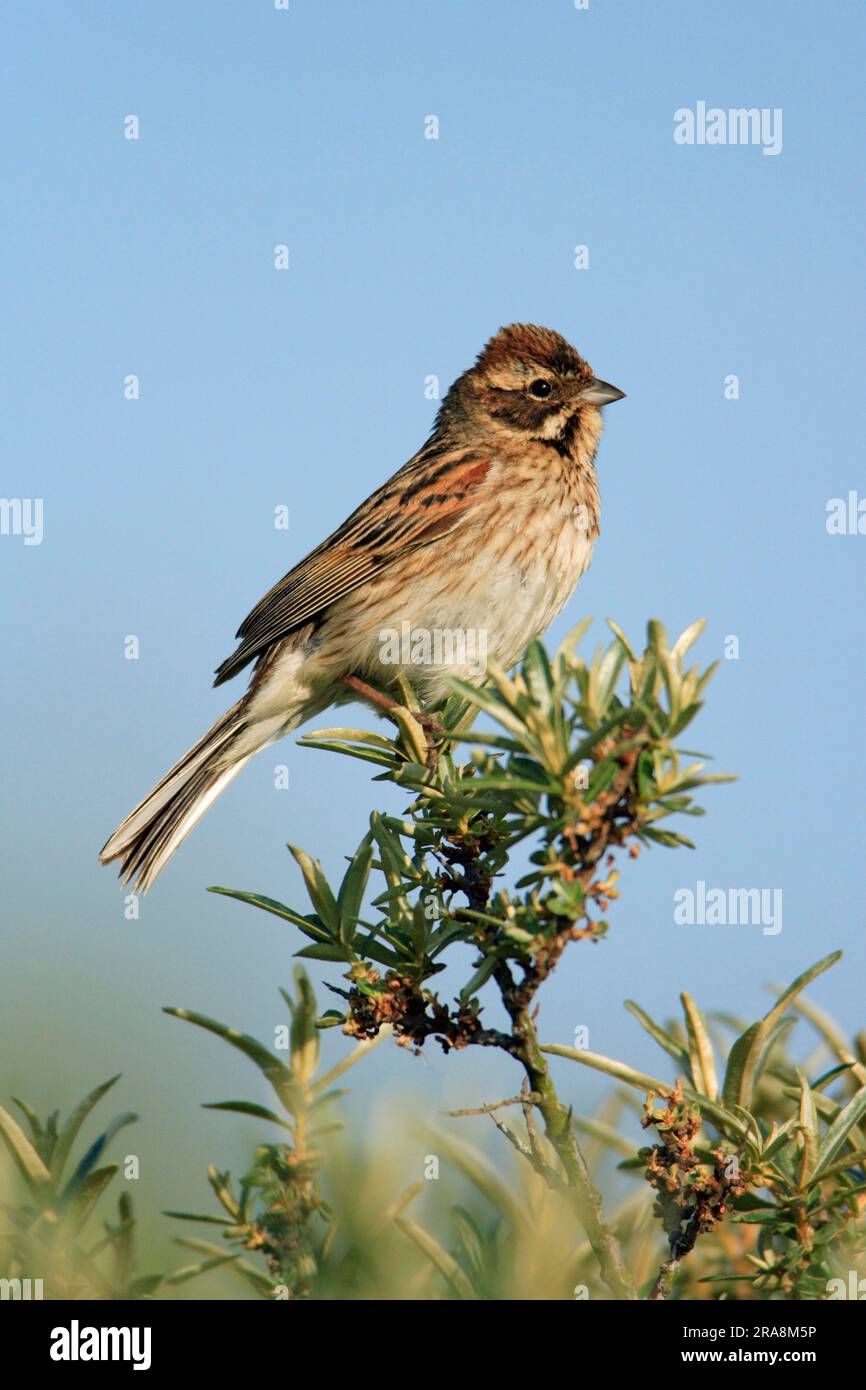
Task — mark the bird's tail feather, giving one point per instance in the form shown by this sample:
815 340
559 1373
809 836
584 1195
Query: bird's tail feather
148 837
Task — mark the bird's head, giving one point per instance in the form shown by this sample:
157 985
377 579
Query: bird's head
531 382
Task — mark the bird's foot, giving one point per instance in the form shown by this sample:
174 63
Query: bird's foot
434 731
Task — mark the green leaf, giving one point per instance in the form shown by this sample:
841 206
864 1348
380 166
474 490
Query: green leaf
855 1159
304 1038
442 1261
324 951
608 674
36 1130
217 1257
246 1107
538 676
69 1132
352 736
331 1018
472 1240
277 1073
723 1118
311 927
840 1130
742 1064
703 1065
144 1286
180 1276
496 709
657 637
364 755
196 1216
26 1157
687 637
221 1184
320 1088
834 1039
396 862
369 949
620 1070
606 1135
749 1050
572 639
95 1152
779 1138
352 889
480 977
808 1120
824 1080
319 889
478 1168
659 1035
86 1194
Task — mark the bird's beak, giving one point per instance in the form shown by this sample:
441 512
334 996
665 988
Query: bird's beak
600 393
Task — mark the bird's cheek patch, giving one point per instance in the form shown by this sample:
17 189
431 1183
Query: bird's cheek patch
553 424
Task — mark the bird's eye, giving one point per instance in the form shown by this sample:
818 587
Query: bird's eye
540 388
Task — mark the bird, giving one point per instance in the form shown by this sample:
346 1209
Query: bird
486 531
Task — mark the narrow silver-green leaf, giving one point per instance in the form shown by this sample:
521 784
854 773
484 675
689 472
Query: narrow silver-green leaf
748 1051
840 1130
438 1257
701 1056
352 889
277 1073
87 1194
69 1132
26 1157
246 1107
660 1035
277 909
319 889
722 1117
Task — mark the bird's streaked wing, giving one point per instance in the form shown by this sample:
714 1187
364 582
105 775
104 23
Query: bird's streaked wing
419 505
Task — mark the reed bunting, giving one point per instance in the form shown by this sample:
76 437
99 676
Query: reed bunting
487 529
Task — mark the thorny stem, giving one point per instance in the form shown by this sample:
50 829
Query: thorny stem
612 827
523 1045
664 1283
559 1131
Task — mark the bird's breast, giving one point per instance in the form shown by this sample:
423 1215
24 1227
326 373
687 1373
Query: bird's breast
483 591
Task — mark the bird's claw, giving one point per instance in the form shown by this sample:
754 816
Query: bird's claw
434 731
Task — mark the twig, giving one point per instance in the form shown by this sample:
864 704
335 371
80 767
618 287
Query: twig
559 1131
525 1099
513 1139
665 1280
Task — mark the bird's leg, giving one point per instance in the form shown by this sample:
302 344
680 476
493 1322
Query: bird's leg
431 723
374 696
434 730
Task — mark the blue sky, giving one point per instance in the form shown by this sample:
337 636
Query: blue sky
306 388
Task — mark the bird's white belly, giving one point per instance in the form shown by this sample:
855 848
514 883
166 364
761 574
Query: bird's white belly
437 631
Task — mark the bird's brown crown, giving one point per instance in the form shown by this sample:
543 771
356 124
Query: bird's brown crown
528 381
523 345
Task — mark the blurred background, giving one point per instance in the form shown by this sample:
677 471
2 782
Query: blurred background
305 388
